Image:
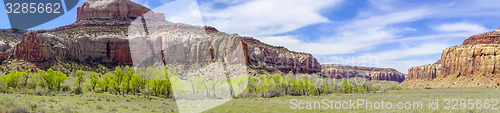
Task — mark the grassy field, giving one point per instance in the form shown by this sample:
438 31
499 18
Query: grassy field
282 104
103 102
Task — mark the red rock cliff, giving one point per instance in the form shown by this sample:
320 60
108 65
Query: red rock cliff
484 38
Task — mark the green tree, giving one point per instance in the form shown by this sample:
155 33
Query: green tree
12 79
117 78
79 78
25 76
93 80
105 82
59 78
53 79
79 81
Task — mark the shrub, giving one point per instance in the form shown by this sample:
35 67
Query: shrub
362 90
395 86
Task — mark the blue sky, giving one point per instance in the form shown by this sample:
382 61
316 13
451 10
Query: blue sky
381 33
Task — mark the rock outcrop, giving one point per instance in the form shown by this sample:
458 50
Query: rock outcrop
344 71
471 60
484 38
478 57
187 45
106 33
271 58
115 9
93 37
39 47
425 72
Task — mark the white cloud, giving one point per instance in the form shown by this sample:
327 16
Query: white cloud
460 27
419 50
267 17
182 11
361 33
395 58
373 26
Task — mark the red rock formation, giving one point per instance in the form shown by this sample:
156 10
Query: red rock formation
484 38
115 9
344 71
478 57
30 48
86 41
36 47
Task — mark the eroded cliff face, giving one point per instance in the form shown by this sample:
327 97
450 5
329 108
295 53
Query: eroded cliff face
471 60
425 72
271 58
105 32
477 60
102 33
188 45
115 9
343 71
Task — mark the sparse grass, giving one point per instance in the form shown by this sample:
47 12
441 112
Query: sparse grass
67 103
282 104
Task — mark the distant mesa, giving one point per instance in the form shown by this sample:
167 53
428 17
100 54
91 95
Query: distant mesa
344 71
115 9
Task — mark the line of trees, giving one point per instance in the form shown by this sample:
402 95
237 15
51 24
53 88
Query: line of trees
158 82
277 85
123 81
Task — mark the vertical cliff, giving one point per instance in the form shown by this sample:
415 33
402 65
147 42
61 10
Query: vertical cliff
476 63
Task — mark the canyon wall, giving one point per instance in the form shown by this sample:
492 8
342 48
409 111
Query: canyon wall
94 38
477 57
106 33
344 71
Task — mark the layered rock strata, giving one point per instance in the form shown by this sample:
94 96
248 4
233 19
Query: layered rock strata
478 57
343 71
105 32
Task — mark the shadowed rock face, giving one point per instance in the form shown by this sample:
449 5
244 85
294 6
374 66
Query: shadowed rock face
478 57
343 71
